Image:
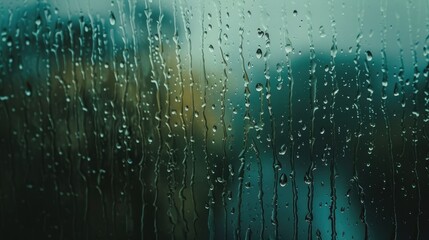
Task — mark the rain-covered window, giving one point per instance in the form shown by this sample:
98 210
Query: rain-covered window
186 119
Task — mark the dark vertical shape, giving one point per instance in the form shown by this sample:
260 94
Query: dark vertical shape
288 50
309 175
384 110
186 17
276 166
415 113
335 89
246 123
358 131
182 123
261 190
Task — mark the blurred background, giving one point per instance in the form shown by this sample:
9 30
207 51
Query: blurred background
155 119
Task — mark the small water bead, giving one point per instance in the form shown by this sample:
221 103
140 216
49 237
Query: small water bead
259 87
258 53
112 19
368 56
283 180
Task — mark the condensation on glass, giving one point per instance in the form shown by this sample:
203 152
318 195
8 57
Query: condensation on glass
156 119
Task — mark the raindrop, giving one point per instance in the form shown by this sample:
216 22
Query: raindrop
283 180
283 149
38 21
368 56
322 32
28 89
279 67
4 98
112 18
288 47
229 195
259 53
395 90
259 87
260 33
9 41
295 13
307 179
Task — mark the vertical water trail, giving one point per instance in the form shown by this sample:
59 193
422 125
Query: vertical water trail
75 88
358 131
246 123
415 82
186 17
335 89
261 190
222 117
288 49
182 123
276 163
309 175
211 216
384 110
156 81
138 108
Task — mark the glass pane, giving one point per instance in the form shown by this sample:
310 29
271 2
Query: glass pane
214 119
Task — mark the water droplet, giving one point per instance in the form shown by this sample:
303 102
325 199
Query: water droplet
260 33
229 195
322 32
288 46
214 128
38 21
259 87
112 18
279 67
307 179
309 217
283 149
211 48
283 180
259 53
395 90
368 56
4 98
295 13
28 89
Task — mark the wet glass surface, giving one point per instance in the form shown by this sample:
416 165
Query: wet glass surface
153 119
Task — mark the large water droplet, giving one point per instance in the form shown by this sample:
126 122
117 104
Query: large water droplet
283 149
259 53
295 13
259 87
368 56
112 18
283 180
322 32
